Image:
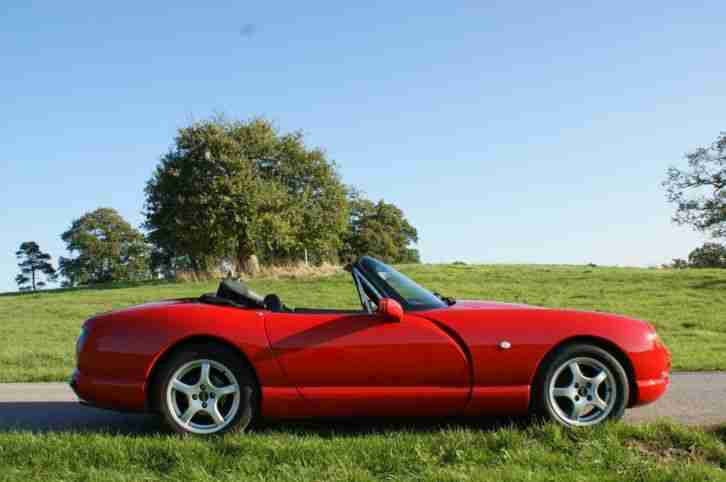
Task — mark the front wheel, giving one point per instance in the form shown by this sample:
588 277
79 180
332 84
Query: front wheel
583 385
204 390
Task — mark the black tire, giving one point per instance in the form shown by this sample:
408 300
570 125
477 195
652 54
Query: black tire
219 357
553 407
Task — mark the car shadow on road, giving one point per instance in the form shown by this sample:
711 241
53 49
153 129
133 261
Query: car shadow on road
74 417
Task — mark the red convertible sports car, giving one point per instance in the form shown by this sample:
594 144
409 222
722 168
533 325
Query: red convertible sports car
217 363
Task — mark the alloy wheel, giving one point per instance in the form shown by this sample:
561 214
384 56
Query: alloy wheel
582 391
204 396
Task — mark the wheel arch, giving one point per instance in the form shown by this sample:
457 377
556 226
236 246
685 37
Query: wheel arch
599 342
181 344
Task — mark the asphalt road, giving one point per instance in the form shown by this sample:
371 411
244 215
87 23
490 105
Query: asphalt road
693 399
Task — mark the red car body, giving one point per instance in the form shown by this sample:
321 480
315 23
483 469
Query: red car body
469 358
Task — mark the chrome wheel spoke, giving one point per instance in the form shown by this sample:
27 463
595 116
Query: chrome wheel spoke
228 390
566 392
188 414
576 372
576 411
598 402
216 415
598 379
182 387
204 377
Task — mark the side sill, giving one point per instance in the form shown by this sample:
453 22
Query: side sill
502 400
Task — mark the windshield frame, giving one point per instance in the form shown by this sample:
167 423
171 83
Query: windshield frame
364 265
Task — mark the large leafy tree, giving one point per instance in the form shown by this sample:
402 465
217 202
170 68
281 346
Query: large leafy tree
699 191
233 190
379 229
104 248
35 267
710 255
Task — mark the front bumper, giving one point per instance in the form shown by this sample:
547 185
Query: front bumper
652 368
651 390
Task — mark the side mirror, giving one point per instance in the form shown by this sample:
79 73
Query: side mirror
390 309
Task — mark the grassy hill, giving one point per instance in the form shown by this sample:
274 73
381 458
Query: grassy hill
688 307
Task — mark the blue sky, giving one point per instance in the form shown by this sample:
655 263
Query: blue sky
507 131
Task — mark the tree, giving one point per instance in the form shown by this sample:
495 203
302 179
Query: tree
699 192
105 248
33 263
232 190
677 263
379 229
164 264
710 255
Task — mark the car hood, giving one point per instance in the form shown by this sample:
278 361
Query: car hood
472 313
489 305
465 309
479 305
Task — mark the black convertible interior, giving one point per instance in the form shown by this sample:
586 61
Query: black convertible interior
373 279
237 294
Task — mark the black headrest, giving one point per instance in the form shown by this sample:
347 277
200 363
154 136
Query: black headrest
239 293
273 302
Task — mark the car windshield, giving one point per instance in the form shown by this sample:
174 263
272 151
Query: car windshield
415 296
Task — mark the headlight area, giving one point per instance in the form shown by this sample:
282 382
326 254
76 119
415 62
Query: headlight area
659 345
656 340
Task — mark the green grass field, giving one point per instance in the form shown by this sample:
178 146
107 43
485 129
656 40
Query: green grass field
656 452
688 307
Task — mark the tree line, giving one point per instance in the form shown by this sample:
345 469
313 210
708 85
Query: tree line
231 194
227 196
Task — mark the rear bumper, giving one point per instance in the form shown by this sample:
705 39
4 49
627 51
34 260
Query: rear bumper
121 395
73 383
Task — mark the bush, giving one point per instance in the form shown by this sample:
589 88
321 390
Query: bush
678 263
710 255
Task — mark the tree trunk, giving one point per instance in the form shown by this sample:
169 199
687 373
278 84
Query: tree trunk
247 262
195 264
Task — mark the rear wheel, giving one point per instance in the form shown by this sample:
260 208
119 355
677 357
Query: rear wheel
582 385
206 389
